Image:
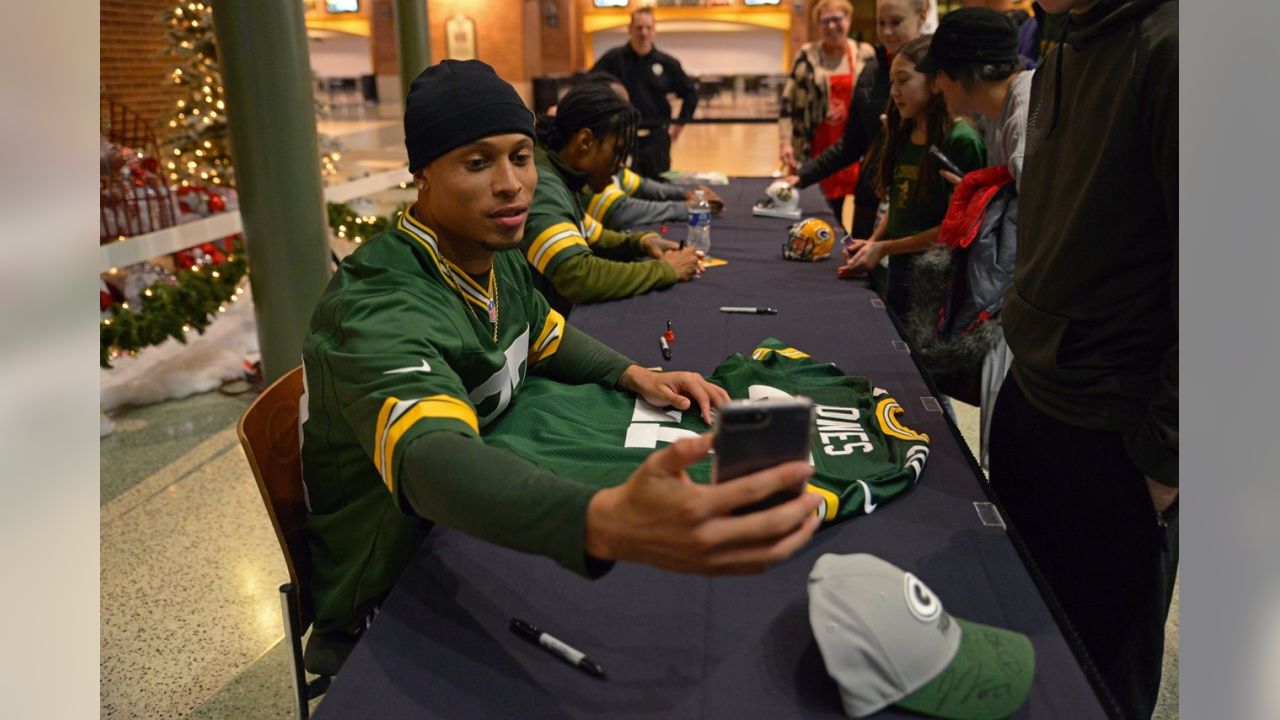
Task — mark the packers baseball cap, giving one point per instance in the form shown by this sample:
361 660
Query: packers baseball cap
971 36
886 640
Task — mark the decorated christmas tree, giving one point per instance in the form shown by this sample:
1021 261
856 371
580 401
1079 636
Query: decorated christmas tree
197 151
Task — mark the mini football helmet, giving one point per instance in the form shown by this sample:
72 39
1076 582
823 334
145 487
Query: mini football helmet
780 200
809 240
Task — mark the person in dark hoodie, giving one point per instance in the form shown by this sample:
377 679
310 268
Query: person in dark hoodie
1084 446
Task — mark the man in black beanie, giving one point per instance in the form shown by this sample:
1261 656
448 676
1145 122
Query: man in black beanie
423 337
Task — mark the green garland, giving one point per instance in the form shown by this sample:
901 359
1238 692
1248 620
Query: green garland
192 302
196 297
345 223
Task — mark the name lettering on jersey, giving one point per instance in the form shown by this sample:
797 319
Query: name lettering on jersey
838 425
503 383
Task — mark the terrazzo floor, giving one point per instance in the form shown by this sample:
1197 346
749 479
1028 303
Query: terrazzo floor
190 617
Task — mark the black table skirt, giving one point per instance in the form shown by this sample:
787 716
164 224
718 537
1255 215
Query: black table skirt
680 646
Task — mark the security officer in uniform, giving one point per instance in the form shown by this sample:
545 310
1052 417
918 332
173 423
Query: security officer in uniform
649 74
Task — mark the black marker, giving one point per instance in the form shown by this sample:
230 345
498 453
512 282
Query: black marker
556 647
750 310
666 349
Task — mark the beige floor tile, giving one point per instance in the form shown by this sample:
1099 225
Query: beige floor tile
739 149
188 592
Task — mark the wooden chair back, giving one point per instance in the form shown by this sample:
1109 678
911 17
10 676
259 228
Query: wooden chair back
270 435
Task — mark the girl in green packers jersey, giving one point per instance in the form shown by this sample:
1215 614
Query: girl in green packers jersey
576 260
908 175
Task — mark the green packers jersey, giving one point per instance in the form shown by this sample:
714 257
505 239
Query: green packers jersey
600 206
557 227
863 455
402 343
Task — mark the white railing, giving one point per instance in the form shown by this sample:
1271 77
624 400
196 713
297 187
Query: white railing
180 237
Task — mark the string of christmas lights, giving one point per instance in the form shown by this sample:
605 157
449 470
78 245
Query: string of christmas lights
173 307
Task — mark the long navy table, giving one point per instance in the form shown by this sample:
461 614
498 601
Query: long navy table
680 646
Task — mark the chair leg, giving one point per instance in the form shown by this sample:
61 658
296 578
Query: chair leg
293 639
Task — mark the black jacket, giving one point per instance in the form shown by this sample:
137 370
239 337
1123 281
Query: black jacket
1092 319
870 98
648 79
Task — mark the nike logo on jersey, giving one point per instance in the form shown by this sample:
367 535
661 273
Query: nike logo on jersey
424 368
867 505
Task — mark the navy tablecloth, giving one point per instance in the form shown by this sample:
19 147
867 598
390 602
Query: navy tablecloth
679 646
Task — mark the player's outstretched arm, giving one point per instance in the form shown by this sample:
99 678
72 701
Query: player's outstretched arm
662 518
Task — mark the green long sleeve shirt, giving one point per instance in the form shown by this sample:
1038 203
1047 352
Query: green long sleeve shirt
406 361
575 259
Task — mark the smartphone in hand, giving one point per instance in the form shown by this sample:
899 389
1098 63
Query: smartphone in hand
753 435
946 162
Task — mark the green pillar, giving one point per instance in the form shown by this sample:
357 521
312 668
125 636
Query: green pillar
266 73
414 41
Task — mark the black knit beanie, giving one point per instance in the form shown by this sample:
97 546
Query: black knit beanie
457 102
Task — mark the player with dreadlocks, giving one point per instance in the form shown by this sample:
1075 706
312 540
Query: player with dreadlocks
632 200
574 258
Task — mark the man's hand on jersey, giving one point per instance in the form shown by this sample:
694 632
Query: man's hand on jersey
655 245
660 517
687 263
675 389
1162 496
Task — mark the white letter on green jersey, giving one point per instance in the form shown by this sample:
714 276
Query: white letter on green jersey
504 382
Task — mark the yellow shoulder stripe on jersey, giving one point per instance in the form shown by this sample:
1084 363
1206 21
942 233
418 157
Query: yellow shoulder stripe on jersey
551 242
830 501
887 412
602 202
426 237
548 341
629 181
472 289
593 228
397 416
761 353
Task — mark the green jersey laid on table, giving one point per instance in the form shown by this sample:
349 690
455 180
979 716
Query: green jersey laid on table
863 455
405 343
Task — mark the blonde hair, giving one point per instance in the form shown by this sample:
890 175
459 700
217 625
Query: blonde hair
844 5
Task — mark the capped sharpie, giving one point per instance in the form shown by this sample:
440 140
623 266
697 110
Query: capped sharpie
750 310
556 647
666 349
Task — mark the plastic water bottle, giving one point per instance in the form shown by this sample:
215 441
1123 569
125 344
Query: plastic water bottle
699 237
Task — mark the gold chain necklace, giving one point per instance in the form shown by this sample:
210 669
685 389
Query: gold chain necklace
493 299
